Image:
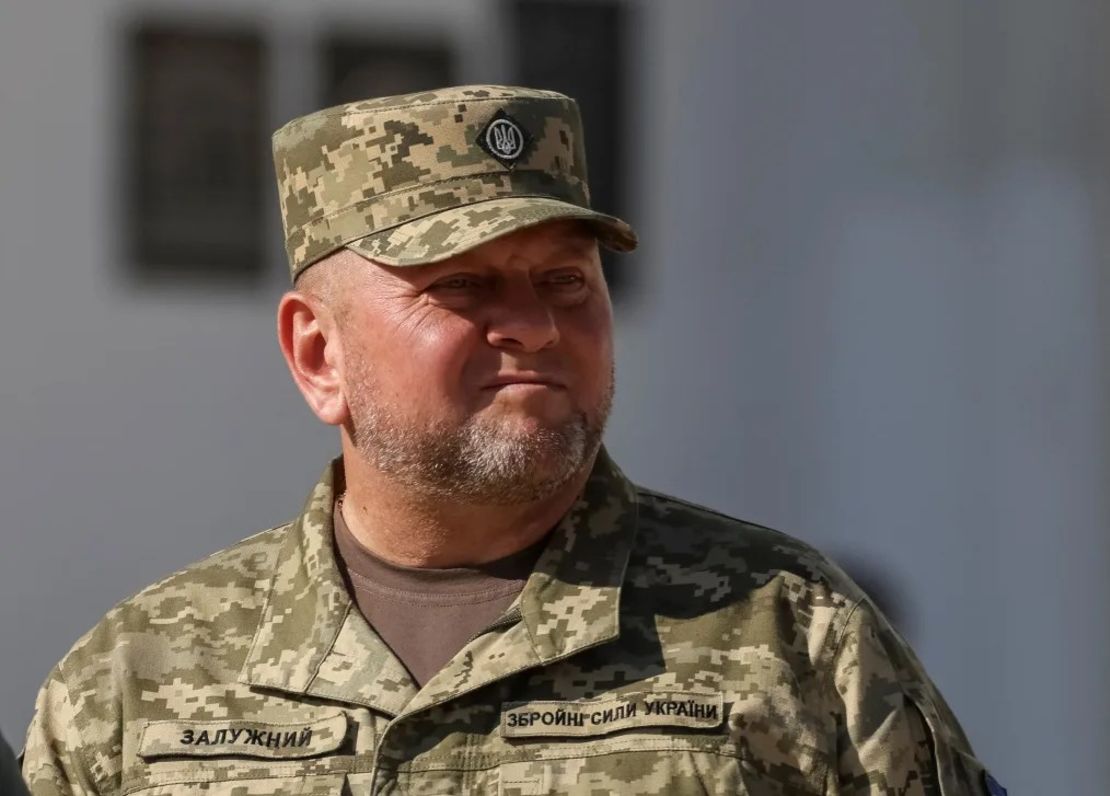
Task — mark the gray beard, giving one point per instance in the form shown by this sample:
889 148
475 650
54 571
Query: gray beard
476 462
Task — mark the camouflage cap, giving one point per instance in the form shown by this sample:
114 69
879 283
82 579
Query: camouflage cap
418 178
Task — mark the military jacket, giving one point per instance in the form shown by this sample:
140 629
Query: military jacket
658 648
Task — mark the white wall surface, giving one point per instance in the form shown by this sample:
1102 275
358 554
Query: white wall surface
871 312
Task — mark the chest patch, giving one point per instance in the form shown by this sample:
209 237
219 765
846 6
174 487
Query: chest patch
585 718
276 740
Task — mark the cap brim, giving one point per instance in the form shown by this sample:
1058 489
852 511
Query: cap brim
453 231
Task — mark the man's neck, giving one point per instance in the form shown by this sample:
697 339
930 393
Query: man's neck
401 526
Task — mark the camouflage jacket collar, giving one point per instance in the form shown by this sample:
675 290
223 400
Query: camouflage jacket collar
572 600
311 638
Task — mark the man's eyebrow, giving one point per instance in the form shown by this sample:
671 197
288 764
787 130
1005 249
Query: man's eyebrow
579 245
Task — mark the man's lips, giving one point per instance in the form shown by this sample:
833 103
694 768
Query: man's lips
535 379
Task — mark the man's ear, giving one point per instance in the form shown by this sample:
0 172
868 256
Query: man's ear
309 339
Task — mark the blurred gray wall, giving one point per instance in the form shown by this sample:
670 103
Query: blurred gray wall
870 311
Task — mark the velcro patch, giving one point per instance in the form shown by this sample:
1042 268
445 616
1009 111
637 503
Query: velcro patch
277 740
582 719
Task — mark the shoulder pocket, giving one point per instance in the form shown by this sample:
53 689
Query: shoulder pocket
957 772
229 737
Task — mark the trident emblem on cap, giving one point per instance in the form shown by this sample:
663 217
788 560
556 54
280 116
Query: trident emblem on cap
504 139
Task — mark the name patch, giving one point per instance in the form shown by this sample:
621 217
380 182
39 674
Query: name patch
277 740
586 718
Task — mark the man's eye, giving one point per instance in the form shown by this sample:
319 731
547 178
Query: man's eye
567 279
459 282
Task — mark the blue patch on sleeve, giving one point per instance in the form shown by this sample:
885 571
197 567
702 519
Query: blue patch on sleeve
992 786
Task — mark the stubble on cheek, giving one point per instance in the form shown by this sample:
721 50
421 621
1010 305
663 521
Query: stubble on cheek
476 456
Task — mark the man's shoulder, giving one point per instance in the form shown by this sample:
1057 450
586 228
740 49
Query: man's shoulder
203 604
704 540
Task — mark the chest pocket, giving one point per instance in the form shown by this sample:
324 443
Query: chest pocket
644 771
661 742
242 758
309 785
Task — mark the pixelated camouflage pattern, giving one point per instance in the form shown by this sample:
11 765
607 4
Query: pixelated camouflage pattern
405 180
637 595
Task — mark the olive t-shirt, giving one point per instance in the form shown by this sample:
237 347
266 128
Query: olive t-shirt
427 615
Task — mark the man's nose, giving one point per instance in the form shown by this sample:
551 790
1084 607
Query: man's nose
522 321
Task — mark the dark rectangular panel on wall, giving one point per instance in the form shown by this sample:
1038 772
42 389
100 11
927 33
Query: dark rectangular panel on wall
359 68
578 47
196 154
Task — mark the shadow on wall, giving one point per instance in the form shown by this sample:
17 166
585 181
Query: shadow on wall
883 589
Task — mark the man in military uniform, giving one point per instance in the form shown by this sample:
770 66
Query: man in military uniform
475 599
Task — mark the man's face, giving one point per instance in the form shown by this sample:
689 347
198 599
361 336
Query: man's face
488 377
